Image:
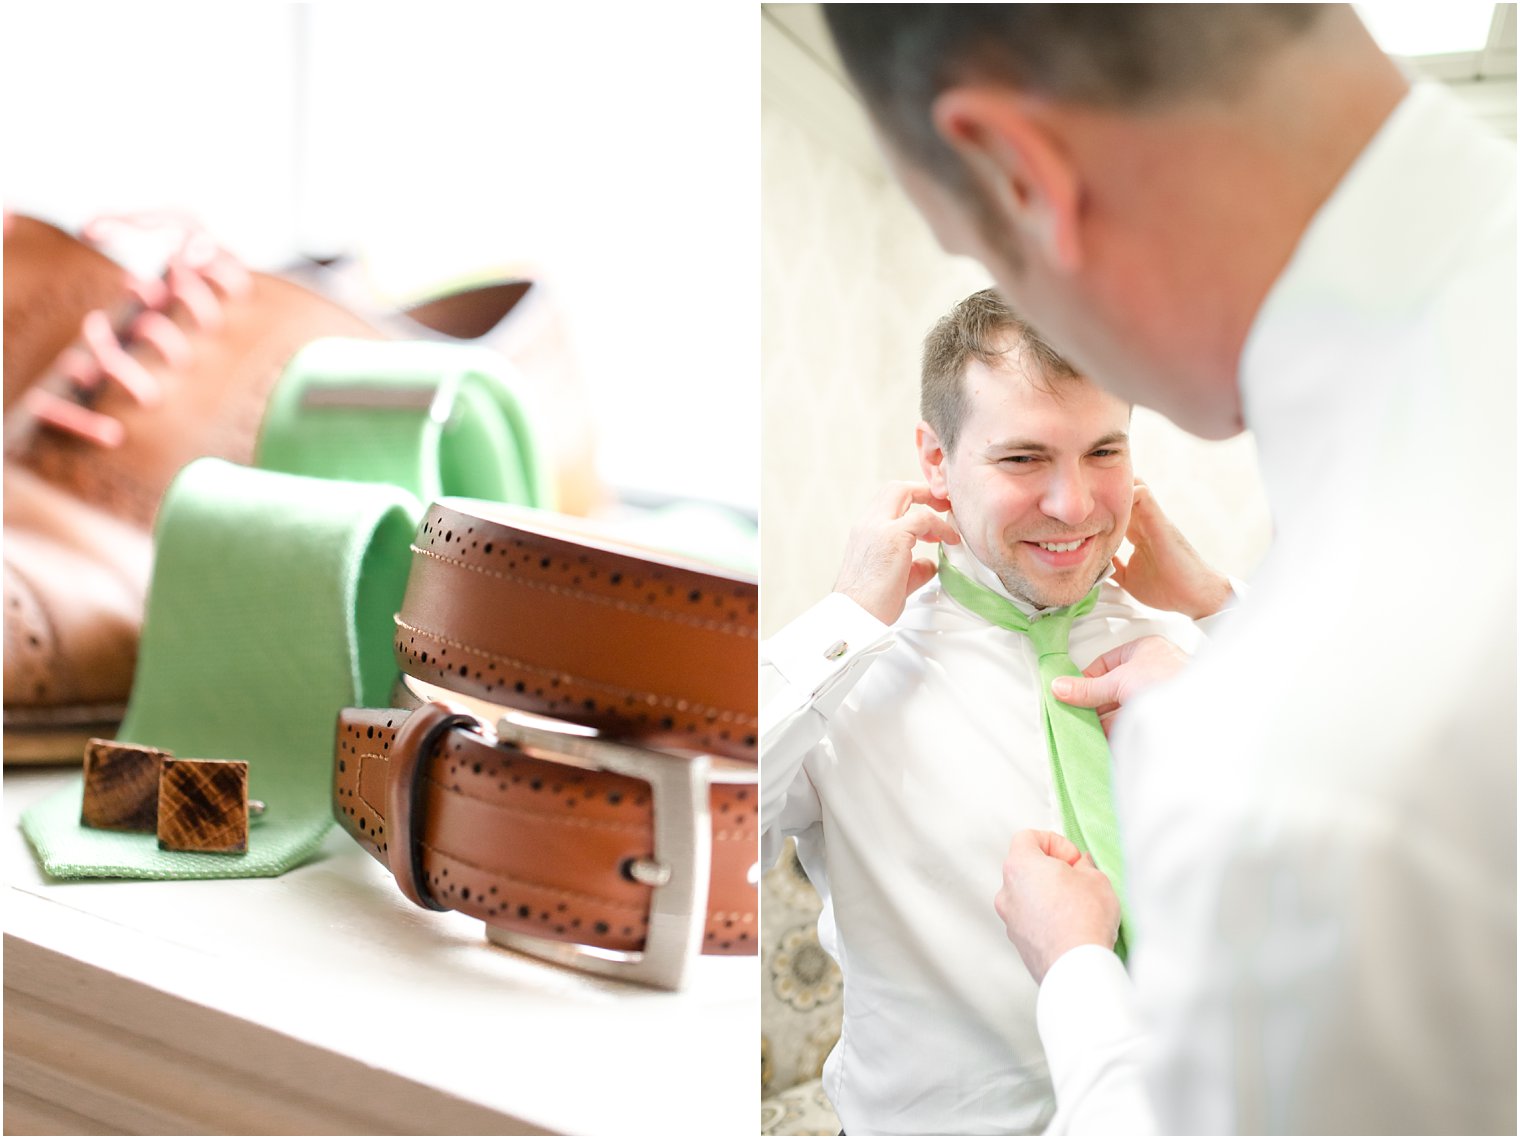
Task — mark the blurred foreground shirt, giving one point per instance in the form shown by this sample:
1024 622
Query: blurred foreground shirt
1319 818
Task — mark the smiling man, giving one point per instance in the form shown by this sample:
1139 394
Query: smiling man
904 735
1035 462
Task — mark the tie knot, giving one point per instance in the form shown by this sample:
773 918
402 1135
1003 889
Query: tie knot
1050 632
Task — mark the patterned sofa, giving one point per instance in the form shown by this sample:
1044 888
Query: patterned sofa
801 1004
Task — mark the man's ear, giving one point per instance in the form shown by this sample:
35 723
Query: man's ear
932 459
1011 145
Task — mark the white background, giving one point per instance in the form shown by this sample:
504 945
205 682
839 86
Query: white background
613 145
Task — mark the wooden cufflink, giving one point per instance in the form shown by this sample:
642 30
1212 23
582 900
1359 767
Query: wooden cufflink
121 786
203 805
199 805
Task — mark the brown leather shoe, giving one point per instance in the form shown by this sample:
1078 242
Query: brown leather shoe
184 374
182 371
51 281
119 437
75 580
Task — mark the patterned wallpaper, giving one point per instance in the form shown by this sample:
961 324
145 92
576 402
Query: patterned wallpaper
851 279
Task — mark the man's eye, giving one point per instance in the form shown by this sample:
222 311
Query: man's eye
1020 459
1106 452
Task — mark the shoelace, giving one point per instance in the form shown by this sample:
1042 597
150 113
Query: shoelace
199 276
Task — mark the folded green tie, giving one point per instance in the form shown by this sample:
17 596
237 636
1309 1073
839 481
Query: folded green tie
270 609
437 419
1079 756
273 593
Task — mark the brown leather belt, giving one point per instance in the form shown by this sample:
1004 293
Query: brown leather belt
620 836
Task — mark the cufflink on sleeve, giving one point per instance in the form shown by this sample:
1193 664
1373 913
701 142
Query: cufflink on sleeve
836 650
203 806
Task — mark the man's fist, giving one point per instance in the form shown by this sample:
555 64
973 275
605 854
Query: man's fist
1054 899
879 569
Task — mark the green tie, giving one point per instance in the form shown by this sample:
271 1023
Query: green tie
1079 759
435 419
273 590
270 609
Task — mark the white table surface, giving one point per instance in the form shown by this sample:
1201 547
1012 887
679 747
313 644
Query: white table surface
322 1002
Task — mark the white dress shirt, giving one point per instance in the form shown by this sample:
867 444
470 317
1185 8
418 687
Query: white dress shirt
904 760
1319 819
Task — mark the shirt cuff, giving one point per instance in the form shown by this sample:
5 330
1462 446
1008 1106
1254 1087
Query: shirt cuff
1086 1003
821 645
1211 624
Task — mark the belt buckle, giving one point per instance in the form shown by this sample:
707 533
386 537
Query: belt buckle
679 800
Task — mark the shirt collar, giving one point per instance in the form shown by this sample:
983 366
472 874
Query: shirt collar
961 557
1383 241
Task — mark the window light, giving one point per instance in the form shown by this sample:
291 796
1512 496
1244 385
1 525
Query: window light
1428 29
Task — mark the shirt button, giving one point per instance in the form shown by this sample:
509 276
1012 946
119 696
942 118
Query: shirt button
836 650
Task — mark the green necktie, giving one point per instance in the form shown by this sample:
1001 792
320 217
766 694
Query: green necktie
1079 758
273 590
436 419
270 609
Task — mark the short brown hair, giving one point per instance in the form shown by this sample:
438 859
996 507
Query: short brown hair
901 56
979 327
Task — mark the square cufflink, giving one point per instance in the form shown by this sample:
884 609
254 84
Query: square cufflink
203 806
196 805
121 786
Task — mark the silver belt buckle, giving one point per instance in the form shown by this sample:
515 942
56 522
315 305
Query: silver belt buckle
679 872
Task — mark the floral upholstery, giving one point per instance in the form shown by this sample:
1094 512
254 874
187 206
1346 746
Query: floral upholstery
803 1110
801 1004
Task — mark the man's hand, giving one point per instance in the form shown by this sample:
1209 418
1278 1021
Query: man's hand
879 569
1165 572
1054 899
1119 675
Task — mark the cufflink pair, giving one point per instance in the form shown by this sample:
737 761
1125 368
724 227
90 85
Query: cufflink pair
198 805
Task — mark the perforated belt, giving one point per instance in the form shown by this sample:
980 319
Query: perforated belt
618 836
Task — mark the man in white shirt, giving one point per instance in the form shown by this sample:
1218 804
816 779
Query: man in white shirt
902 734
1243 216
